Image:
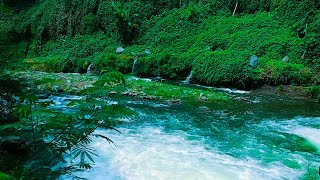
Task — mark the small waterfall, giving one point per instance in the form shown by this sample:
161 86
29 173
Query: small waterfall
134 66
89 69
187 81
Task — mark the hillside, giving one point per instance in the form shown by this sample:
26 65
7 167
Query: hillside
214 39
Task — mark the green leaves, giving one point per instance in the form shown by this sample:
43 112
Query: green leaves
83 152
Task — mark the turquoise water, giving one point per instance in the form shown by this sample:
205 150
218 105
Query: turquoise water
264 138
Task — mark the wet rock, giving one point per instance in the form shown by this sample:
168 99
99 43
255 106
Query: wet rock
203 98
57 89
120 50
174 102
254 61
148 97
242 99
285 59
43 96
112 93
126 93
15 145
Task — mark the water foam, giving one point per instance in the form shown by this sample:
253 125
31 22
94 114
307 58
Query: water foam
150 153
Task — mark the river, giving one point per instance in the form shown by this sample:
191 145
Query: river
268 137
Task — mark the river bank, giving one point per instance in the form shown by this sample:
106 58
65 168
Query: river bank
226 135
76 83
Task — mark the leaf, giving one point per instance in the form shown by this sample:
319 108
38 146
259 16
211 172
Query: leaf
3 176
89 156
106 138
82 156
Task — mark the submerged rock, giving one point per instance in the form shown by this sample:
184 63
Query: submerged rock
57 89
43 96
15 145
174 101
254 61
148 97
112 93
285 59
120 50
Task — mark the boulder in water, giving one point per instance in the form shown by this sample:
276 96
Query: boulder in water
120 50
285 59
15 145
254 61
57 89
112 92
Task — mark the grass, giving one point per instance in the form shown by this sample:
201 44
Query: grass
169 91
76 83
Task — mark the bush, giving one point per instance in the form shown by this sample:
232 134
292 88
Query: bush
110 62
314 91
278 72
73 54
146 67
225 68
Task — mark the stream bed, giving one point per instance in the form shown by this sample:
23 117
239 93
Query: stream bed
269 137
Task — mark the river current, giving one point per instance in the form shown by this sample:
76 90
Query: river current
268 137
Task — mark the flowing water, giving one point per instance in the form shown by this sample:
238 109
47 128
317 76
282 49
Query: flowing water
187 80
134 66
266 138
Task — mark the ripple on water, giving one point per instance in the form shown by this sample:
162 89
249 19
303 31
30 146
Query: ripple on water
150 153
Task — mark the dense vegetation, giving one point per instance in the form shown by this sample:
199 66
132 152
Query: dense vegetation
213 39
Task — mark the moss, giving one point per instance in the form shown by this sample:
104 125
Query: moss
108 62
168 91
278 72
314 91
224 68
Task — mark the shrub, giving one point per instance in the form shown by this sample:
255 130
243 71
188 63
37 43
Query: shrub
224 68
110 62
278 72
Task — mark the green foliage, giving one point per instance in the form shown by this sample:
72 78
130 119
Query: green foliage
224 68
170 92
278 72
3 176
51 132
68 36
69 54
111 62
146 67
219 49
314 91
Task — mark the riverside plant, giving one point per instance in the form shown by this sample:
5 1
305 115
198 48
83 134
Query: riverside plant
53 135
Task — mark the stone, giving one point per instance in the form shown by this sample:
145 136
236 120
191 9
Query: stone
125 93
242 99
174 101
57 89
43 96
120 50
203 98
148 97
254 61
15 145
285 59
112 92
